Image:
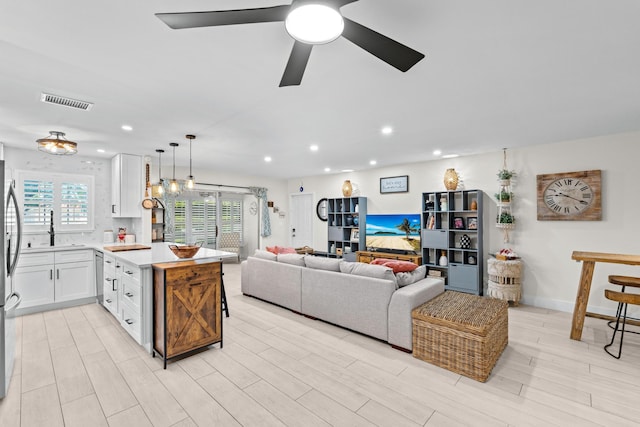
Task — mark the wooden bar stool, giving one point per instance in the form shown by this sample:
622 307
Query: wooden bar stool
623 300
623 281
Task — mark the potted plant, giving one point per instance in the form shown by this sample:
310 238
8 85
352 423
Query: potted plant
505 220
504 196
504 176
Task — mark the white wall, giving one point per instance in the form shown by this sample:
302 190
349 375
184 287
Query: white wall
550 276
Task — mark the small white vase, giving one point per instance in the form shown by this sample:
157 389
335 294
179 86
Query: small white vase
443 260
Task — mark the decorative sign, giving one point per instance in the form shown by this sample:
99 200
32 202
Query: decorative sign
394 184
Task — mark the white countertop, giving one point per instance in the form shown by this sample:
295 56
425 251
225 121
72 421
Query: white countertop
158 253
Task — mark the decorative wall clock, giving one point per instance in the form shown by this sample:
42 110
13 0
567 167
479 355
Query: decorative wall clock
321 209
570 196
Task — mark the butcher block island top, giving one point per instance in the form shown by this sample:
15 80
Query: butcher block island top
160 253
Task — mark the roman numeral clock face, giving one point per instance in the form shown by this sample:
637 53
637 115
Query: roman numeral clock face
570 196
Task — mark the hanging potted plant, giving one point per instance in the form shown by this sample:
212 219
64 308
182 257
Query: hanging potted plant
505 220
504 176
504 196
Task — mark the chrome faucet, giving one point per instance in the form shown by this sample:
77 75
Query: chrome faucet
52 233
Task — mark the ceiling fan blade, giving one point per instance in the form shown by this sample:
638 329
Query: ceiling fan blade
340 3
224 17
390 51
296 65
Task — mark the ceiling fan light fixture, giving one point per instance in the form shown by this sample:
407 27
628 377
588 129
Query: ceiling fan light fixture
314 23
57 144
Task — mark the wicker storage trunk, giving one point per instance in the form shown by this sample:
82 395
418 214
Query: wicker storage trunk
461 332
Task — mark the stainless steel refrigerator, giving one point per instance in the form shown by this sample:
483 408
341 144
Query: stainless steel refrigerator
11 219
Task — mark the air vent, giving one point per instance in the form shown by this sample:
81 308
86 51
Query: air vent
66 102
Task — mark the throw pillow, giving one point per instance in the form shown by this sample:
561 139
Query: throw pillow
285 250
368 270
379 261
272 249
322 263
294 259
259 253
409 277
400 266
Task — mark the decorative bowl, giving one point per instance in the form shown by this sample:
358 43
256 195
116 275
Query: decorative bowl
185 251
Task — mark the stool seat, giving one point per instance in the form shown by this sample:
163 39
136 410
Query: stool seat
625 281
623 299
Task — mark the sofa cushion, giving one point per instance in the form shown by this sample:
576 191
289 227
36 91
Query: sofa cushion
409 277
322 263
294 259
368 270
259 253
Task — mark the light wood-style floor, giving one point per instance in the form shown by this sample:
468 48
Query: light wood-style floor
76 367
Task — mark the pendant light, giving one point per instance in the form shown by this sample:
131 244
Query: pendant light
57 144
190 181
158 188
173 184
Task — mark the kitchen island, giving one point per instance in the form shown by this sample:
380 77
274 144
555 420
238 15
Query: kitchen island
128 284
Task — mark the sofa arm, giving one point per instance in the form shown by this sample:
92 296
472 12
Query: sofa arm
403 301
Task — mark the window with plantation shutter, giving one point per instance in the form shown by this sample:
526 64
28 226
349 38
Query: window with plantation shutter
193 218
70 197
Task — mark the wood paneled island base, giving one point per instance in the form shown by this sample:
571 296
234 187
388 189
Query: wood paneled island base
187 307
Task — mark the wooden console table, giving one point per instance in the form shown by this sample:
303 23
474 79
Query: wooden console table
367 257
589 260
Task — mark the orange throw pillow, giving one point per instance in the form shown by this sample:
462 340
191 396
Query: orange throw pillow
398 266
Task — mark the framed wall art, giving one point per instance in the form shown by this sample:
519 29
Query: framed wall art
394 184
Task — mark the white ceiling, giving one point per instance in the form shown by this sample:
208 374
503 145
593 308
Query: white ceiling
497 73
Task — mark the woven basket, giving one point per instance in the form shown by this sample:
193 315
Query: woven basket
463 333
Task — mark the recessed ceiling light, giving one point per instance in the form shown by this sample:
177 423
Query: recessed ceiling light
387 130
100 150
267 159
313 148
437 152
373 162
127 128
450 156
327 169
346 170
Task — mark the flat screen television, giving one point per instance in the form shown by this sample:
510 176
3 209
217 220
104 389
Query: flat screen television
393 231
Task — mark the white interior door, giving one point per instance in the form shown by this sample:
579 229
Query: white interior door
301 219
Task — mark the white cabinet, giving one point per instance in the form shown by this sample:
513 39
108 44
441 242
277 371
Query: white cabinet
127 186
123 295
54 277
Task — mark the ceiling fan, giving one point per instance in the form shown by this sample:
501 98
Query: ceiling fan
390 51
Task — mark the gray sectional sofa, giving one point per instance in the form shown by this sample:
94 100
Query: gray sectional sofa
369 299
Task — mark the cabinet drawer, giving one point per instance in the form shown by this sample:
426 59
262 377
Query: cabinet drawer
192 275
41 258
131 321
74 256
131 272
131 292
110 301
463 276
434 239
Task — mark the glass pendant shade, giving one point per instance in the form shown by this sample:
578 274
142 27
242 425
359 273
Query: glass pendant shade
57 144
314 23
190 180
174 188
159 188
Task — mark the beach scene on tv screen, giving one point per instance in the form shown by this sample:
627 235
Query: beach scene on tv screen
393 231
